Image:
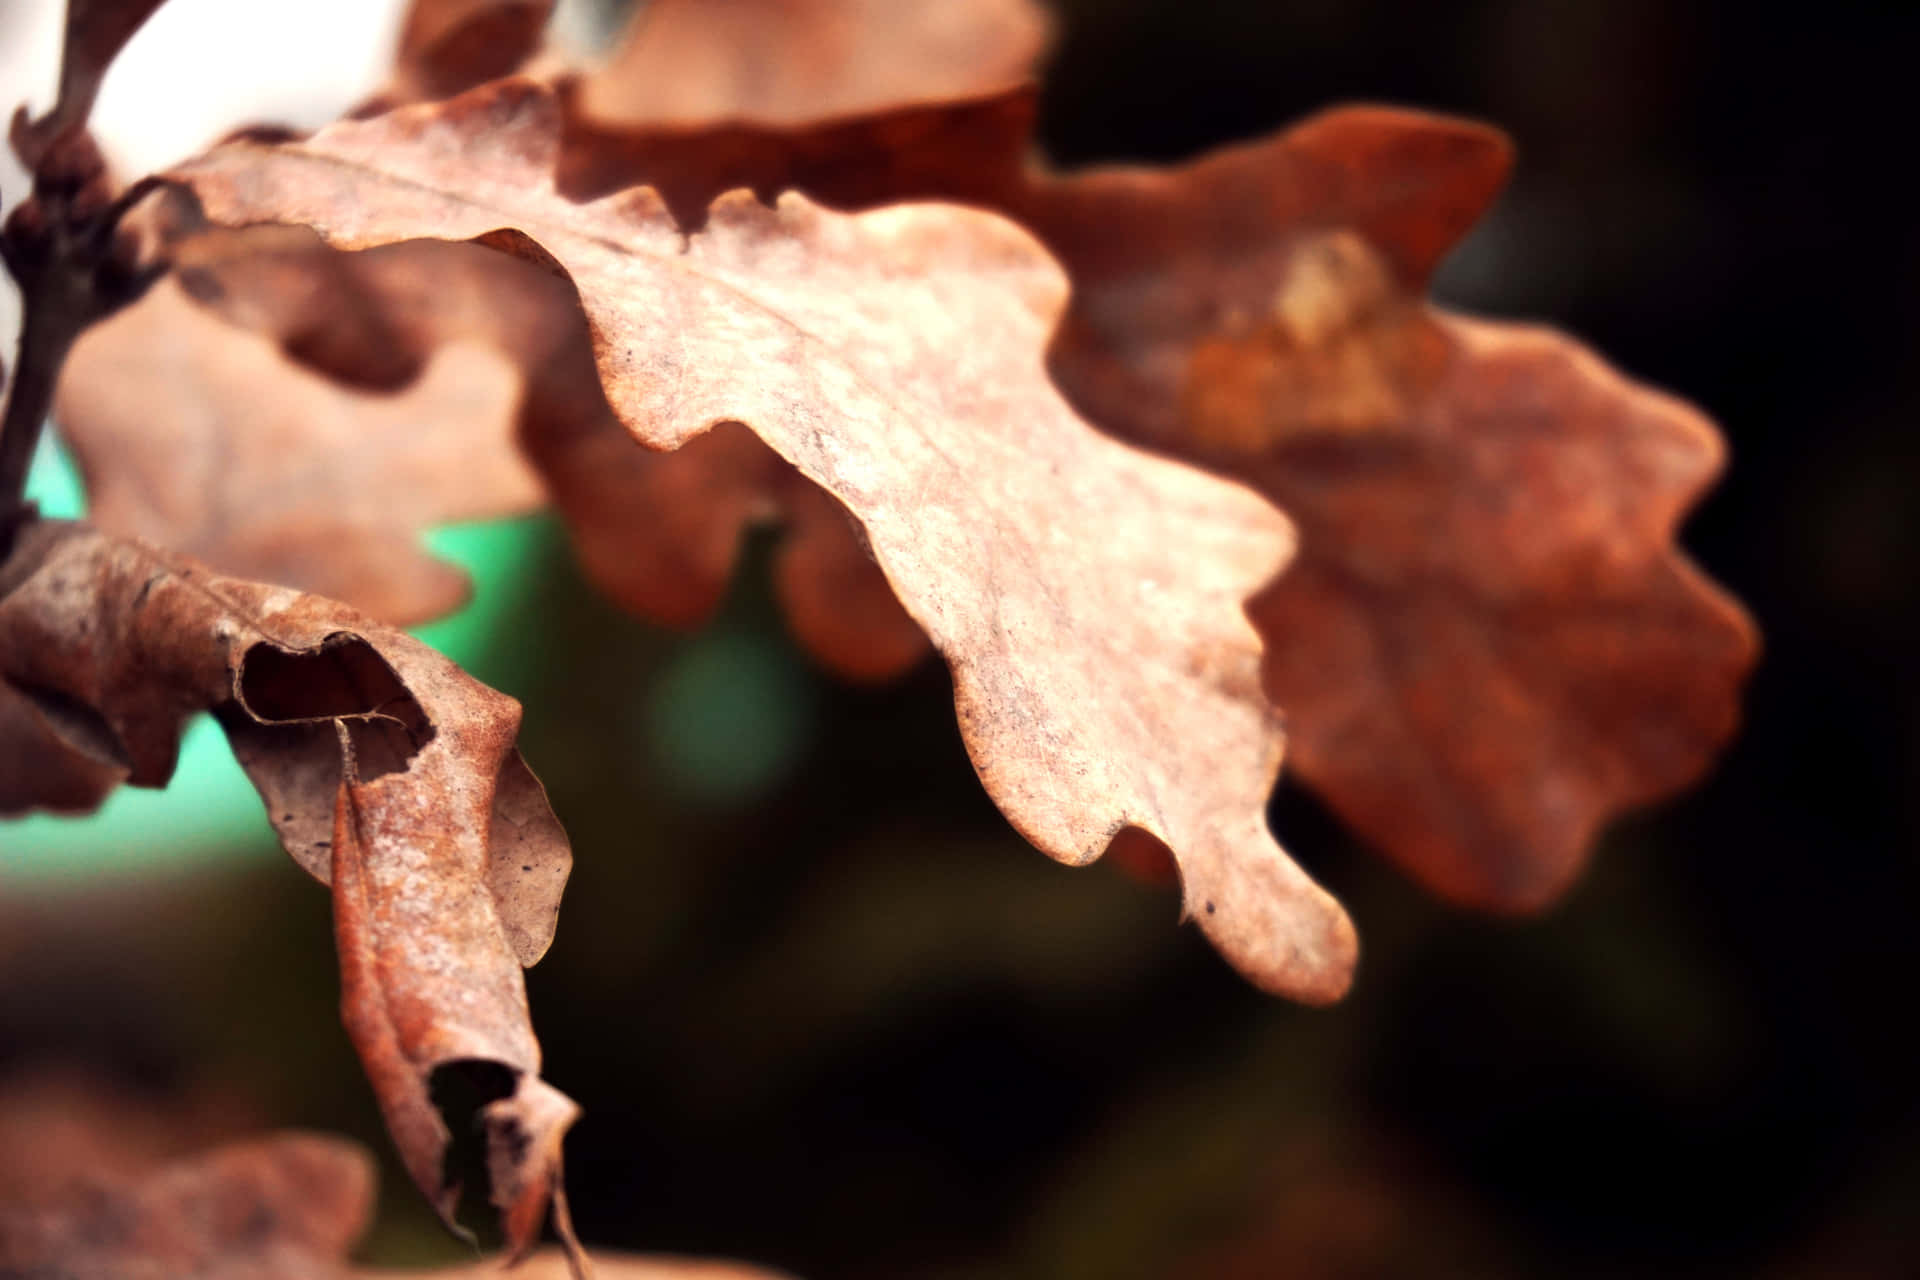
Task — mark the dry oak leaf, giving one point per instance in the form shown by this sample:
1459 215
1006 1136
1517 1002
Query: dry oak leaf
1088 598
1489 644
206 438
385 769
312 485
788 61
281 1208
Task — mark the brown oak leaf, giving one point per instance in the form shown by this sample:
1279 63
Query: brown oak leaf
787 61
286 1207
206 438
1089 599
238 444
1488 645
385 769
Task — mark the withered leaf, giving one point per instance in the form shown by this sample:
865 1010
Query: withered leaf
205 438
384 768
660 533
786 61
281 1208
1489 644
226 441
1089 599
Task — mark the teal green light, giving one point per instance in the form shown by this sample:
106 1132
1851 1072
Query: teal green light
209 812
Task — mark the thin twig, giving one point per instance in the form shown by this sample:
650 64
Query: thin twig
64 249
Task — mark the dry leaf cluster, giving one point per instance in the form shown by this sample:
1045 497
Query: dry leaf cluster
1174 468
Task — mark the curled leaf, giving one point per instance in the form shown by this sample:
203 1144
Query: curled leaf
352 399
448 878
1087 598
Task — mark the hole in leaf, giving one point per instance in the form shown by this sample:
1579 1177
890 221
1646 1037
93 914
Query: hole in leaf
461 1090
345 679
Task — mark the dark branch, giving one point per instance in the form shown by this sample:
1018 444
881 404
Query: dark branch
65 248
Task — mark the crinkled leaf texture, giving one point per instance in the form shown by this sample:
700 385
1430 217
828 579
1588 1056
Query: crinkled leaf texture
353 399
1088 598
385 769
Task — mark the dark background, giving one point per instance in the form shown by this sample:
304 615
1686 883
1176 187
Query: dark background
827 1012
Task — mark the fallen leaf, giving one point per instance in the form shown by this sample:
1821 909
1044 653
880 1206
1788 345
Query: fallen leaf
384 768
282 1208
786 61
1089 599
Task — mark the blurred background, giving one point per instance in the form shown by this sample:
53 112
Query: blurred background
824 1010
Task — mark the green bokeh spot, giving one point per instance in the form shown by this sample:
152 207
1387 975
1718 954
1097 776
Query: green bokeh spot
729 716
